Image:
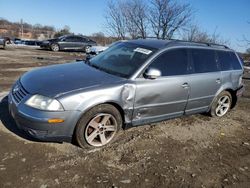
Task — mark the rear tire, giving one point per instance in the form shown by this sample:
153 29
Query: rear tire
55 47
221 104
98 127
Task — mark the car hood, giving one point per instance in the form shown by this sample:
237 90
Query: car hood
52 81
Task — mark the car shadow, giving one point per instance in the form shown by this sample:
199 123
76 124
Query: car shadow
9 123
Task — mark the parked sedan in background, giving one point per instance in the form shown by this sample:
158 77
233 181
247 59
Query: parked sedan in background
68 42
2 42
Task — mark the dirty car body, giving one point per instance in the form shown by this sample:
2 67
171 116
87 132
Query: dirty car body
119 77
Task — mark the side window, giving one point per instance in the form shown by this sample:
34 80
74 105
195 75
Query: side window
173 62
84 39
77 39
204 61
69 39
81 39
228 61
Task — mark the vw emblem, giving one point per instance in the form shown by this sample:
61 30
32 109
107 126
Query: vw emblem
16 89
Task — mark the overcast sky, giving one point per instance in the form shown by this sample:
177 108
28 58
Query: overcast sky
228 17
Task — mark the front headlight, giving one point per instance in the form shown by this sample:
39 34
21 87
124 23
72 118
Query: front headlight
44 103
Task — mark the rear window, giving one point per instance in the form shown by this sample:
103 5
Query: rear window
204 61
228 61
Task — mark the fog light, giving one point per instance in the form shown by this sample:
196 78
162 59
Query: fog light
55 120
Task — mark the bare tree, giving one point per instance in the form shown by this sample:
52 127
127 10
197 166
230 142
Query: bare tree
64 31
195 34
126 17
115 20
168 16
248 51
245 39
99 38
135 13
134 17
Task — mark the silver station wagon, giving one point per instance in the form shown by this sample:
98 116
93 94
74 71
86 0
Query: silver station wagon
131 83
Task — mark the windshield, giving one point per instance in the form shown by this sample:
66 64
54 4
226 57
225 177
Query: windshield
122 59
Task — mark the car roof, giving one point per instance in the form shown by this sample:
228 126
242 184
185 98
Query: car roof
71 35
161 44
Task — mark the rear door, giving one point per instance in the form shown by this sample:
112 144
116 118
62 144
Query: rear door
68 43
166 96
80 43
205 80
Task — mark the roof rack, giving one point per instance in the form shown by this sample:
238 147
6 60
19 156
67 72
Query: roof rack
184 41
204 43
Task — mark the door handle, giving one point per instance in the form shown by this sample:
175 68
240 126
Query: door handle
218 81
185 85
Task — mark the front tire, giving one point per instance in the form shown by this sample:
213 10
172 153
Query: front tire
55 47
98 127
221 105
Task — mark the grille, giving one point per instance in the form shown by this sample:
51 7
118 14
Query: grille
19 92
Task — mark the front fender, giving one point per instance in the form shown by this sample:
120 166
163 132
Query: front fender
122 95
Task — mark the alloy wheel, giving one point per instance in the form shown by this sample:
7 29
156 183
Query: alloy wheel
100 130
223 105
55 47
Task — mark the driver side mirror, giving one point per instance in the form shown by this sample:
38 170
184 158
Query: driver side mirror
152 73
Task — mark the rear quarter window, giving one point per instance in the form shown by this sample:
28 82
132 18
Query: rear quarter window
228 61
204 61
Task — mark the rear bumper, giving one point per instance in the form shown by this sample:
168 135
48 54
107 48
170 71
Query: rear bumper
35 122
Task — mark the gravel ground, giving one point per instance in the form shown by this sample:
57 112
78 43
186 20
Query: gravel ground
192 151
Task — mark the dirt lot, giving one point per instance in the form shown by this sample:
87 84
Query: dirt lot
193 151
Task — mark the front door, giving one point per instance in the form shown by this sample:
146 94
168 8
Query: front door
166 96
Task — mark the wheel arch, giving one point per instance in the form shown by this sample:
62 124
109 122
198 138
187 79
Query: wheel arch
231 91
233 95
119 108
112 103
